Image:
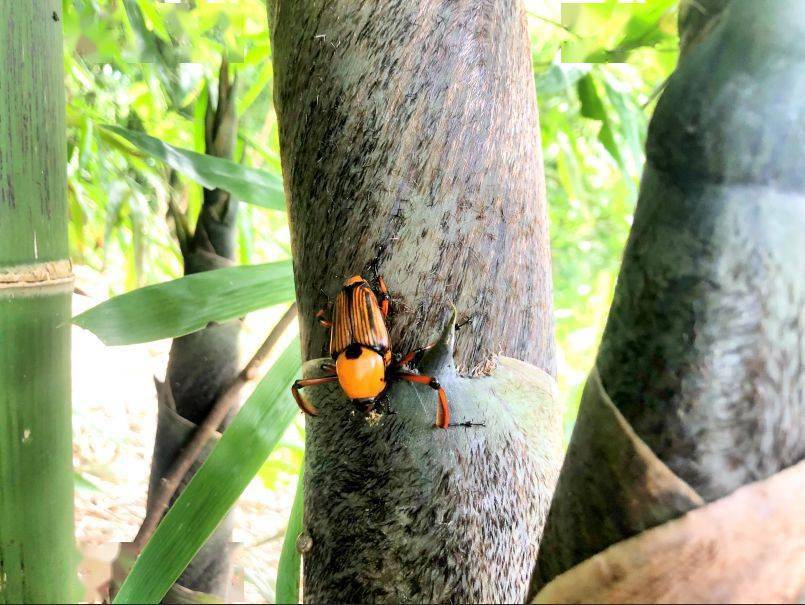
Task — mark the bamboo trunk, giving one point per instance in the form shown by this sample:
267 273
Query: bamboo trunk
702 355
410 149
37 553
201 365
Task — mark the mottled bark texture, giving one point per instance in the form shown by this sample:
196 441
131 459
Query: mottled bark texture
704 347
410 147
705 344
204 363
697 18
410 139
397 511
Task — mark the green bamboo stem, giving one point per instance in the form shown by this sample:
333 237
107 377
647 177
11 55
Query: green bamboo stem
37 555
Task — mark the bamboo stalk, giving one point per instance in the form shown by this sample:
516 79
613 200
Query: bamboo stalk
394 166
36 482
231 395
201 365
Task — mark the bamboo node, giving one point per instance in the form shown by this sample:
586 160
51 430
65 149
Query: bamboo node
37 274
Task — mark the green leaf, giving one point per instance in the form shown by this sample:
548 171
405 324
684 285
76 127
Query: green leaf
247 184
290 560
151 12
607 138
83 483
187 304
217 485
559 77
260 82
645 27
630 116
609 30
592 106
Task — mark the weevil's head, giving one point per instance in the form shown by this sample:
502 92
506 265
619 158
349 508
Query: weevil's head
355 279
361 372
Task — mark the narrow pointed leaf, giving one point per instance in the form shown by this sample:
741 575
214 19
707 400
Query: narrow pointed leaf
290 559
187 304
592 106
219 482
246 184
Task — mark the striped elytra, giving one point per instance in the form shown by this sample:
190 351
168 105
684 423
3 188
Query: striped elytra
357 319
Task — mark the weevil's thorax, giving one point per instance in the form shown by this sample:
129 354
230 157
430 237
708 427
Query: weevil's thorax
357 319
361 372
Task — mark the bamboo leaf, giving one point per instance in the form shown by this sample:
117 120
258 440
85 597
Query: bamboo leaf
290 559
592 107
187 304
559 77
247 184
151 12
214 489
82 483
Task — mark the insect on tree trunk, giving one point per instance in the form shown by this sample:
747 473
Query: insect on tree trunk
703 350
410 149
37 552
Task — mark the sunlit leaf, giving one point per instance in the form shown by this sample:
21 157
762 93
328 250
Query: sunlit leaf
150 10
592 106
189 303
247 184
609 30
217 485
259 84
83 483
650 23
559 77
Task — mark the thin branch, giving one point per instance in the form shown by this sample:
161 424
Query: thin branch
556 24
228 398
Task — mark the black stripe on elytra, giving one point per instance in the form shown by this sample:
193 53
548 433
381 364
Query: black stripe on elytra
370 311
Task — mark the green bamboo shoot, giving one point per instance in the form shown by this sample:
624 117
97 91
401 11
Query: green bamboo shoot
36 486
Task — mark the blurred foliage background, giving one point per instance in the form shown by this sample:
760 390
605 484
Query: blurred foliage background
149 66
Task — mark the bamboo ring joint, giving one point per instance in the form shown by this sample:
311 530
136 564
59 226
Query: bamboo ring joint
50 273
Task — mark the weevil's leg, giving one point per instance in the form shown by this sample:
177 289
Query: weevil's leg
416 354
308 382
383 297
443 411
320 316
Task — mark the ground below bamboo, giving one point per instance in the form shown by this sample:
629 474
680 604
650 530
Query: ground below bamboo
114 421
